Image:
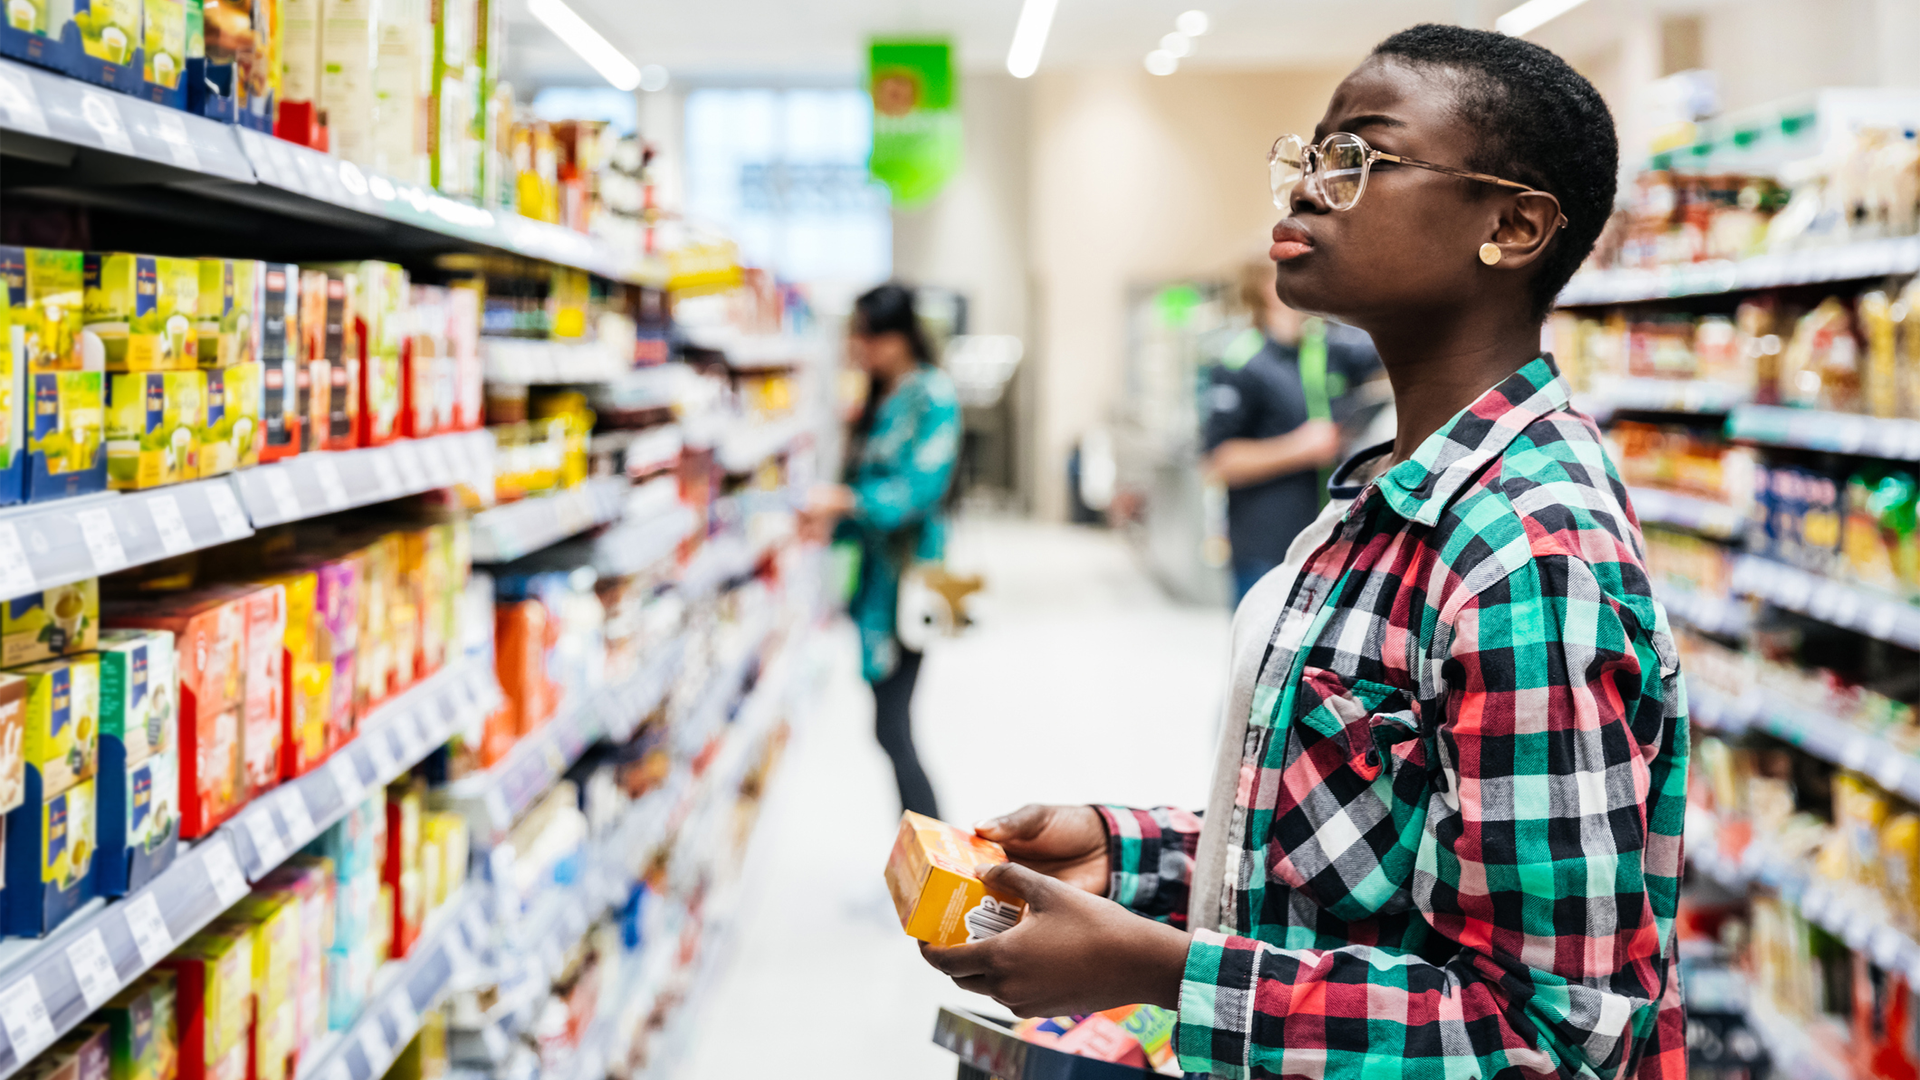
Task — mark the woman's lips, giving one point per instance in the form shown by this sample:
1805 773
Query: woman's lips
1290 241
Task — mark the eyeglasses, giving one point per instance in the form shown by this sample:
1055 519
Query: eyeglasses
1336 170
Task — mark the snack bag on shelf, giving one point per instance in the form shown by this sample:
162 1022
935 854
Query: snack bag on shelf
59 621
154 424
282 374
934 876
213 977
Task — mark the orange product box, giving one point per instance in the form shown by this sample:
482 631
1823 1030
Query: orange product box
210 636
520 634
373 659
934 876
314 374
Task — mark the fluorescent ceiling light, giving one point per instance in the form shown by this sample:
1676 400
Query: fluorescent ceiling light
1176 43
1192 23
1162 62
1030 37
653 77
1532 15
569 27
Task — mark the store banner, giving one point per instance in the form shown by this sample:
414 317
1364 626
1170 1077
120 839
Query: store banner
916 127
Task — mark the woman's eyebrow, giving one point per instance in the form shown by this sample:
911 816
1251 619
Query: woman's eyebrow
1353 124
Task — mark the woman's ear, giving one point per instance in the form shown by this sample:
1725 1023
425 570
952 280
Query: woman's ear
1525 228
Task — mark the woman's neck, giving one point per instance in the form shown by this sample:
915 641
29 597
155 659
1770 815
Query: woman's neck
1438 370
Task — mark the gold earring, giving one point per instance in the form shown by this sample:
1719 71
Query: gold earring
1490 253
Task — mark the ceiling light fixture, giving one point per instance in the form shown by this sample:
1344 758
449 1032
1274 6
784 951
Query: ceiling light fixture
569 27
1532 15
1162 62
1030 37
1178 44
1192 23
653 77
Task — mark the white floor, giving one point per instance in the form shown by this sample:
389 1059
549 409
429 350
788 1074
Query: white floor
1082 683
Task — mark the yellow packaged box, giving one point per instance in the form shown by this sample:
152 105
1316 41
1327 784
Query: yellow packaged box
13 723
66 435
48 868
62 722
59 621
934 876
44 290
153 427
140 312
229 438
227 326
214 973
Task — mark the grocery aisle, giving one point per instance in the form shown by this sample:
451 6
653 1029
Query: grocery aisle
1082 683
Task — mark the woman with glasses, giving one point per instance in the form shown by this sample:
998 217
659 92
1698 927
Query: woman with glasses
1443 838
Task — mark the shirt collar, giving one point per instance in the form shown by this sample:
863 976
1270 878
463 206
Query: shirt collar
1420 488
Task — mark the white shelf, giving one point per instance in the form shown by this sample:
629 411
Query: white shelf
1850 607
1705 612
506 533
1833 741
1610 394
744 446
325 482
527 361
1704 516
1840 262
70 539
1814 429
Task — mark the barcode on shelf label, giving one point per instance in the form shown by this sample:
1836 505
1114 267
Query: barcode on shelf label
15 577
293 809
280 489
227 512
149 930
102 539
93 968
21 103
101 111
173 132
24 1015
385 477
169 524
267 848
331 489
228 883
346 778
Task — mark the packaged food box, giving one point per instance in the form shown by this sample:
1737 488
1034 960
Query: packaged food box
91 1047
337 599
228 327
45 297
308 881
341 346
13 402
58 621
62 723
213 975
140 310
139 695
934 873
274 920
373 662
13 732
143 1025
66 451
33 32
281 369
265 707
307 674
139 823
380 327
50 860
400 870
321 341
109 31
230 438
210 643
164 67
154 421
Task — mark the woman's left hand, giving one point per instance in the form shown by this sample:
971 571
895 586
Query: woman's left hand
1072 952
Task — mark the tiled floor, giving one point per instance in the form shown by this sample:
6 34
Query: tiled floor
1082 683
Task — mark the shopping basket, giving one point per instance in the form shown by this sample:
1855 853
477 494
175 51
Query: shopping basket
989 1048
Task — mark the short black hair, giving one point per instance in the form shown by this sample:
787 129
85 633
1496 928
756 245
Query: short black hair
890 309
1540 123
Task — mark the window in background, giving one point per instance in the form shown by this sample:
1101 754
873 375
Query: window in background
784 172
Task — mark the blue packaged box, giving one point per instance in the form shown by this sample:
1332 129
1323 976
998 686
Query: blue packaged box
50 860
139 822
103 43
35 31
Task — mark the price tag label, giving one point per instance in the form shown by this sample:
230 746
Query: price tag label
385 477
93 968
405 1019
169 524
173 132
15 577
228 883
101 111
267 848
497 809
293 810
384 765
103 539
22 104
340 1070
280 489
406 458
331 489
227 512
347 779
373 1043
24 1015
150 933
435 462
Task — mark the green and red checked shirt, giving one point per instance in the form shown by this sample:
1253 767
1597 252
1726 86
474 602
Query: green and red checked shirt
1454 849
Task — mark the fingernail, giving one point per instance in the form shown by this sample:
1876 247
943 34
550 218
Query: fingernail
990 823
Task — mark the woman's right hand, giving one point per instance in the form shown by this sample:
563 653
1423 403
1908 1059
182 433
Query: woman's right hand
1068 843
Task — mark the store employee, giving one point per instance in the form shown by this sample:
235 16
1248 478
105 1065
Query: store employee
1270 422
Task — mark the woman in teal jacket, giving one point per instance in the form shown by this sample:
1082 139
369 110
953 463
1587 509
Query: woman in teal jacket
900 461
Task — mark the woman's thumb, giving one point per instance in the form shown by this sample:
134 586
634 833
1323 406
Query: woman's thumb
1023 824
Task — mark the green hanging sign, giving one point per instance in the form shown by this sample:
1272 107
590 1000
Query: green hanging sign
916 129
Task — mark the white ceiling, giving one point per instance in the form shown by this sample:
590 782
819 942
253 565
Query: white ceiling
816 40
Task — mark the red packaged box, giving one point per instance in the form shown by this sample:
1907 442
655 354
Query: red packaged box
264 712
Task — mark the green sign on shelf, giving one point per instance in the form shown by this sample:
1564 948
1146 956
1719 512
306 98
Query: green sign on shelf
916 128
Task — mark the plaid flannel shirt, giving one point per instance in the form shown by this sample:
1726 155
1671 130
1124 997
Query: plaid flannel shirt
1455 845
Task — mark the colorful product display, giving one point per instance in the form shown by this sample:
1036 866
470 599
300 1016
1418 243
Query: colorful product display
933 875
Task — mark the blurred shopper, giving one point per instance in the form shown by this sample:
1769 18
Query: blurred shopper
900 461
1443 838
1270 425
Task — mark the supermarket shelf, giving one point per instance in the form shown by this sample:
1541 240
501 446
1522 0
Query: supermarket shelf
1813 429
403 991
48 544
1706 612
1843 262
1704 516
43 979
525 362
506 533
1611 394
312 484
52 119
1849 606
1833 741
744 446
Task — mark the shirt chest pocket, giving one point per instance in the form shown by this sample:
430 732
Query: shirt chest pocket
1351 779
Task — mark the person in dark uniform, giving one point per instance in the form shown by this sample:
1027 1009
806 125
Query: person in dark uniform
1272 413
